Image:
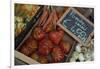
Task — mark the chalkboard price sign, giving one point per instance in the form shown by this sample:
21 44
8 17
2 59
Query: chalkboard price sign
76 25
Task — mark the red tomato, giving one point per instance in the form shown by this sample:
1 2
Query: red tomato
56 36
65 46
45 46
57 54
38 33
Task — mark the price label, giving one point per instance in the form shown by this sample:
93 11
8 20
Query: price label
76 25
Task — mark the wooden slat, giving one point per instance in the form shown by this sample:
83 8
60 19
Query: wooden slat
24 58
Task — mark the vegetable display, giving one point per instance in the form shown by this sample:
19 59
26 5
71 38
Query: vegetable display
47 42
47 39
23 14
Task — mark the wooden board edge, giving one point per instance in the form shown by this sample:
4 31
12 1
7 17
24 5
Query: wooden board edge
24 58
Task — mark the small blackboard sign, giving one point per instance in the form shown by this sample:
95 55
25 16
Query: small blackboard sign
76 25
